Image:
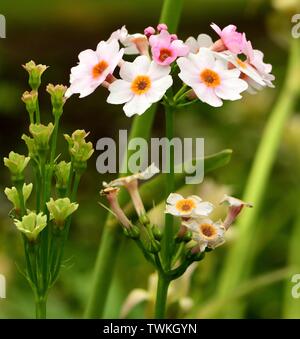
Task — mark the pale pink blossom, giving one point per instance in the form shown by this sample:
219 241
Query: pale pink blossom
162 27
149 31
203 40
210 78
231 39
165 50
94 67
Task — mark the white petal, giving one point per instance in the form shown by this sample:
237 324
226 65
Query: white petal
192 43
157 71
203 59
230 89
204 40
142 64
119 92
134 298
137 105
173 198
171 209
203 209
159 88
207 95
88 57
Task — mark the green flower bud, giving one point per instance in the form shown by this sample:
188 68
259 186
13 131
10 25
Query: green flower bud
156 232
187 236
79 149
144 219
57 97
195 256
41 135
62 173
35 73
13 196
16 164
30 100
31 146
32 225
60 210
134 232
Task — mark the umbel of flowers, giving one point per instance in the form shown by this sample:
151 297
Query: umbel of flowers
197 232
210 70
44 220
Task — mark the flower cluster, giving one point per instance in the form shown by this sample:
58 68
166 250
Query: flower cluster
194 217
213 70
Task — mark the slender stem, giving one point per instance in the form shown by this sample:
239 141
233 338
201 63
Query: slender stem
40 305
19 187
161 296
168 243
110 242
37 112
239 261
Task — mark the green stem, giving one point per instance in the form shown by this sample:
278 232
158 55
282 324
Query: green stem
168 243
37 112
239 259
40 305
19 187
161 296
111 238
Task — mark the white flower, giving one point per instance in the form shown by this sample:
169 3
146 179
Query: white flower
148 173
206 232
133 43
203 40
192 206
143 83
235 207
210 79
94 67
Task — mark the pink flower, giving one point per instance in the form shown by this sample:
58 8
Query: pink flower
165 50
149 31
231 39
162 27
94 67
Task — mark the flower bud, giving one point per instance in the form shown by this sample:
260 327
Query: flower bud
16 164
156 233
31 146
149 31
41 135
60 210
162 27
62 173
32 225
30 100
35 73
133 232
79 149
13 196
57 97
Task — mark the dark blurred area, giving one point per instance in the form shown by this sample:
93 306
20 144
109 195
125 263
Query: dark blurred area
53 33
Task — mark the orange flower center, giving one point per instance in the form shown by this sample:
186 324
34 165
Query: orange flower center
210 78
141 84
208 230
164 54
185 205
99 69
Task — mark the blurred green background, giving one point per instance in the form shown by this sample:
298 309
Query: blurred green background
53 33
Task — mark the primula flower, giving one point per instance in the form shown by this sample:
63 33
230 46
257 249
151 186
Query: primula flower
203 40
32 225
13 195
131 184
191 206
210 78
133 43
230 39
235 207
143 83
206 233
165 50
16 164
94 67
60 210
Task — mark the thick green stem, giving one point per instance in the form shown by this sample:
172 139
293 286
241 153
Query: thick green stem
239 260
168 243
37 112
40 305
161 296
111 238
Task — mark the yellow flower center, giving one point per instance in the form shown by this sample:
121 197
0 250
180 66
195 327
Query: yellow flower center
210 78
141 84
164 54
208 230
185 205
241 63
99 69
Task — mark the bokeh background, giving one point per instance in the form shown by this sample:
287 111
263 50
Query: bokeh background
53 33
